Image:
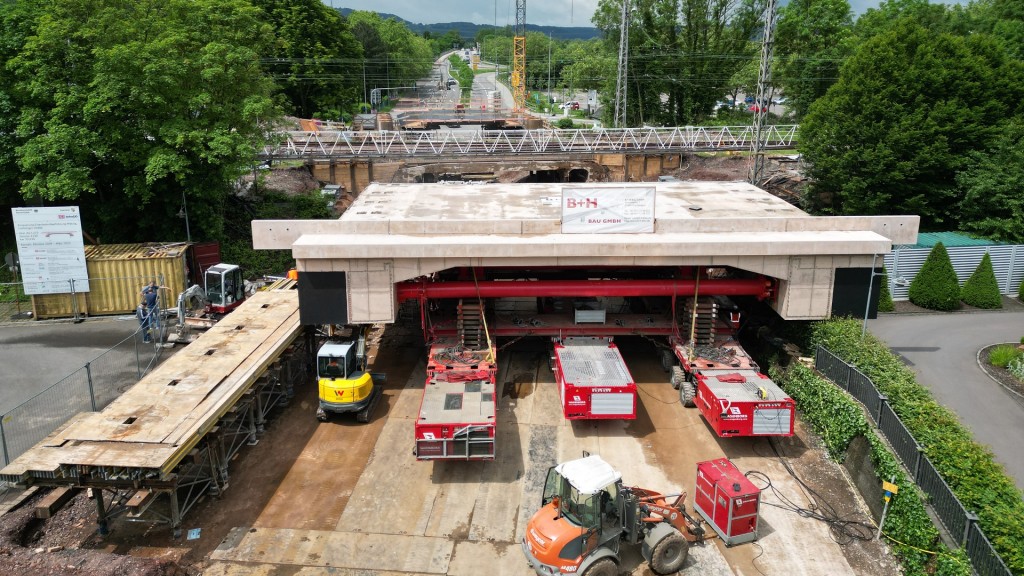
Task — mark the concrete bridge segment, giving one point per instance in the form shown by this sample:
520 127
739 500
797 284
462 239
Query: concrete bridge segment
396 232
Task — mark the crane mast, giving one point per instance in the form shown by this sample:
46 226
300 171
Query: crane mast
620 83
519 59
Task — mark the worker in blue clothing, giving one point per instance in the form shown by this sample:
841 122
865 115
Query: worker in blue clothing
144 316
151 300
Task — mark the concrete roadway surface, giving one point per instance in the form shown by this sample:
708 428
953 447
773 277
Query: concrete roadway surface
943 350
34 355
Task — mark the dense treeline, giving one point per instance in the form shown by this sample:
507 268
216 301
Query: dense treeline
129 109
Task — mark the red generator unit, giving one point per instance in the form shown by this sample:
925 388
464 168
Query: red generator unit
593 381
744 403
458 412
727 500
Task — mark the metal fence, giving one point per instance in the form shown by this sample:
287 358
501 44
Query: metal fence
960 523
903 263
15 305
90 388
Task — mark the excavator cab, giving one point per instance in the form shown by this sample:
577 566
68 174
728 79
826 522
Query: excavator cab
225 289
344 383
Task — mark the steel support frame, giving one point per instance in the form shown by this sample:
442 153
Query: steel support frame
203 472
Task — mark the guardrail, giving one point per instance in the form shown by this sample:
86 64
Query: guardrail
960 523
439 143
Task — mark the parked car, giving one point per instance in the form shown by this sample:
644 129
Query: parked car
757 108
780 100
571 105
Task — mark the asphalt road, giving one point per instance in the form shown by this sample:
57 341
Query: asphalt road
35 355
942 349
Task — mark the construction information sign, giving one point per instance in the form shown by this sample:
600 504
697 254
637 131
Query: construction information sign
51 249
625 210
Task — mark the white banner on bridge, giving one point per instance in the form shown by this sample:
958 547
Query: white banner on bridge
619 210
51 249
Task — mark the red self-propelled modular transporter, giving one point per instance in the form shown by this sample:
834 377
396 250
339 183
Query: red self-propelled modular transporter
458 412
721 379
593 381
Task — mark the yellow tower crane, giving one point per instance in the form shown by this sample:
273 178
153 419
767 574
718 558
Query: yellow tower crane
519 59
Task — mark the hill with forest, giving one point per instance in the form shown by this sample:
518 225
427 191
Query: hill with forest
468 30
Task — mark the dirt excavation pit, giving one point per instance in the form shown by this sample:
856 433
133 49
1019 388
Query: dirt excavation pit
314 497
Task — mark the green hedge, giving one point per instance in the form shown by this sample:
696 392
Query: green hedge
982 289
838 419
970 469
936 286
885 303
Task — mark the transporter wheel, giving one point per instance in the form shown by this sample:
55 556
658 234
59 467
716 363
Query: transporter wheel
678 377
668 360
687 394
669 554
321 415
603 567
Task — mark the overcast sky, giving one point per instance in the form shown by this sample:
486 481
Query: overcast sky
502 12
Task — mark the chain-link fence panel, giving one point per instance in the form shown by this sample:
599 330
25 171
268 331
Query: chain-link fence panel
89 388
30 422
15 305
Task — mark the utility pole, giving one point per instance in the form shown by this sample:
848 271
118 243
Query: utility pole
761 101
548 103
620 83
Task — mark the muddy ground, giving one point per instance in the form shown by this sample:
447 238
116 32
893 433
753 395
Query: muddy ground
302 477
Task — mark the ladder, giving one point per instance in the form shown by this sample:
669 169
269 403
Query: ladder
471 325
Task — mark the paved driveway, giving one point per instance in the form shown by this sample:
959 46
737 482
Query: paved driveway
942 349
35 355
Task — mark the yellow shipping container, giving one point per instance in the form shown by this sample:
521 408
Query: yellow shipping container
117 273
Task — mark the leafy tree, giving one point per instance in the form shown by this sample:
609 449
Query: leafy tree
812 40
890 13
129 106
982 289
885 303
17 22
313 56
686 50
394 56
936 286
1005 20
907 110
992 204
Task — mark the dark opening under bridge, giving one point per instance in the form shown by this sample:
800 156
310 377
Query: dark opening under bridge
323 144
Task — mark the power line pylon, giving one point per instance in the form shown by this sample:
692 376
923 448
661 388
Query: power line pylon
621 82
519 59
761 101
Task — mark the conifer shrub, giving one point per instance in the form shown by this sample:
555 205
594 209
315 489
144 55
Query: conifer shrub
885 296
982 289
936 286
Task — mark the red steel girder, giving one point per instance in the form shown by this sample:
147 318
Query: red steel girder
759 287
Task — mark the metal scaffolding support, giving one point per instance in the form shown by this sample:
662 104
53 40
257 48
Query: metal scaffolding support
621 81
244 372
762 100
519 59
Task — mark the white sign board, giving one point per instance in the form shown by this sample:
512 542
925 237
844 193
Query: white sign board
625 210
51 249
